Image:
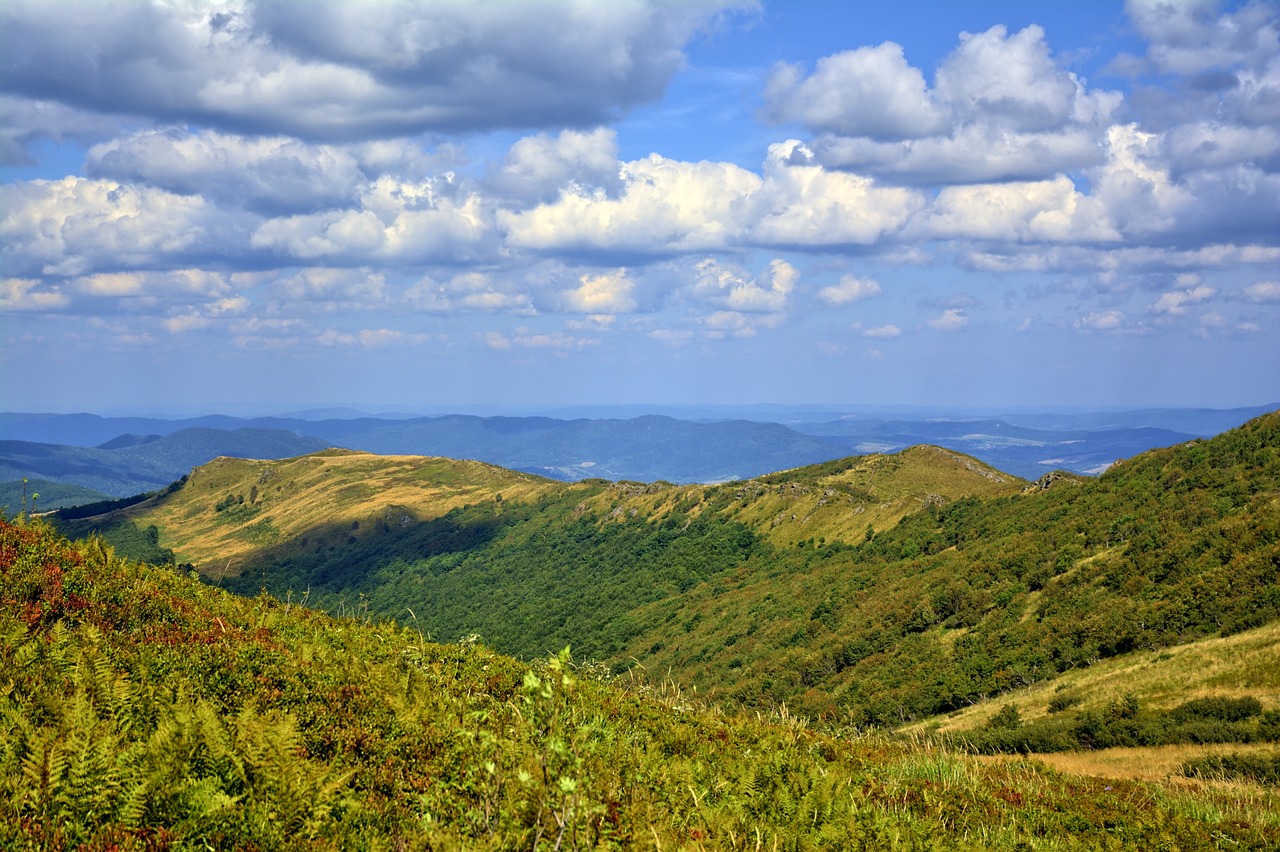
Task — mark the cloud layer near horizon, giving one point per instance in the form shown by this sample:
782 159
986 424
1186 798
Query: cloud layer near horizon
253 168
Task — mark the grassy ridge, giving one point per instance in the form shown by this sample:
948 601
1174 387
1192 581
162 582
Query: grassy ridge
878 591
143 709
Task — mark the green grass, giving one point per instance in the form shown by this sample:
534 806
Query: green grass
143 709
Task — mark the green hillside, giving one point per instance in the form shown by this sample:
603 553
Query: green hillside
52 495
877 590
528 563
143 709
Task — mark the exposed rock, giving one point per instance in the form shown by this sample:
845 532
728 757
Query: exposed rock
1051 479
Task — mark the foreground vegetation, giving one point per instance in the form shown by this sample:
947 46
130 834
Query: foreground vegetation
143 709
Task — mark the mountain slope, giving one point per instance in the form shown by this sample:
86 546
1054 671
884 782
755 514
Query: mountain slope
879 589
145 710
979 597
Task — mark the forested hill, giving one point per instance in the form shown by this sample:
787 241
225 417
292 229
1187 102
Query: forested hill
144 710
879 588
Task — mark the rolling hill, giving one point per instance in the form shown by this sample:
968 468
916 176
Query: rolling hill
879 589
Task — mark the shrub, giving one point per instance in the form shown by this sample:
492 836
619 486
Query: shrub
1258 768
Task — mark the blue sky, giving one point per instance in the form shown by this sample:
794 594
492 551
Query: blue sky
978 205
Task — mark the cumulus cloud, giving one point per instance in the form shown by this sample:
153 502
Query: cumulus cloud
952 319
607 293
76 225
1101 321
849 289
343 70
1263 292
1190 37
267 174
468 291
30 294
397 221
1039 211
1000 109
801 204
669 206
870 91
664 206
539 168
1176 302
737 291
883 332
334 287
23 121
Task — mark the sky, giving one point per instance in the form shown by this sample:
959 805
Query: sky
404 205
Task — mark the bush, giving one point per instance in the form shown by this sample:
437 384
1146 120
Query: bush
1217 707
1258 768
1064 701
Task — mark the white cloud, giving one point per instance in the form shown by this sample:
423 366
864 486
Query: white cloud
1188 37
972 152
1010 80
1101 321
607 293
670 206
335 287
1214 145
665 205
75 225
884 332
468 291
26 120
524 338
349 70
1175 302
29 294
806 205
724 324
369 338
737 291
539 168
849 289
870 91
1263 292
1041 211
952 319
1000 109
270 174
403 222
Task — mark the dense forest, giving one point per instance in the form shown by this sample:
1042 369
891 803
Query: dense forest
144 709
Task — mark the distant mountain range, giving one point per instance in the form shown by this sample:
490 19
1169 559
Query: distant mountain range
118 456
127 466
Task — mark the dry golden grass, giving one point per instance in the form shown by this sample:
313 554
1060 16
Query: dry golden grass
835 507
1151 763
326 489
1231 666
